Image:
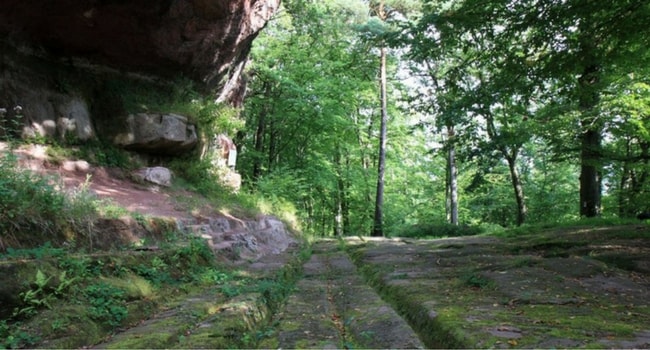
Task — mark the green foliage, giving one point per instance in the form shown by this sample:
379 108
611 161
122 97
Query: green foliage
475 280
107 304
311 74
46 250
431 230
156 272
12 336
105 287
104 154
42 293
214 118
36 298
279 191
198 175
180 96
10 123
274 292
108 209
527 73
196 253
27 202
211 276
82 267
231 291
32 210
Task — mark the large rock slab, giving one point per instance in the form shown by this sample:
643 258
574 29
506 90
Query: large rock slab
565 287
162 134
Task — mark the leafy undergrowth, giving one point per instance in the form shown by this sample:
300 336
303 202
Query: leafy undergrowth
55 299
562 287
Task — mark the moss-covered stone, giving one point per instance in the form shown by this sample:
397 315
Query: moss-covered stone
480 292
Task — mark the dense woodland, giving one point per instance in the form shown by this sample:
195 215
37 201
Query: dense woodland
495 112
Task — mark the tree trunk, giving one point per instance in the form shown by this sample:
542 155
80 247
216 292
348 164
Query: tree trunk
633 180
590 180
625 192
626 184
259 146
639 185
590 174
452 176
345 203
522 210
377 229
341 219
272 152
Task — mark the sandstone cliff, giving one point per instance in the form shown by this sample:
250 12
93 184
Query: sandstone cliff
59 59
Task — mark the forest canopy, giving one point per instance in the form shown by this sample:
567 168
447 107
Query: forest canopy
497 112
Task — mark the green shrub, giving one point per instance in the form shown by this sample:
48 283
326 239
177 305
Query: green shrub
10 124
34 211
107 304
157 272
192 258
28 203
13 337
200 176
104 154
475 280
46 250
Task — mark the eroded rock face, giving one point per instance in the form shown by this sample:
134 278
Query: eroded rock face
51 114
207 40
244 239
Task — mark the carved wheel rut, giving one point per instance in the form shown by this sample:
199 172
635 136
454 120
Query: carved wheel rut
332 307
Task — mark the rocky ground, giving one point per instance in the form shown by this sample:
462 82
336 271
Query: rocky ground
577 288
561 288
569 288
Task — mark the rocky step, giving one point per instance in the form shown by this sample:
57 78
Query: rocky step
332 307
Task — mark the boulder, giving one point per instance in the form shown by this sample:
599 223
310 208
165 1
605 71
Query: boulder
232 180
81 166
160 134
157 175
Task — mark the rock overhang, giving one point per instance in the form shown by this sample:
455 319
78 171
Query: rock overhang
207 40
